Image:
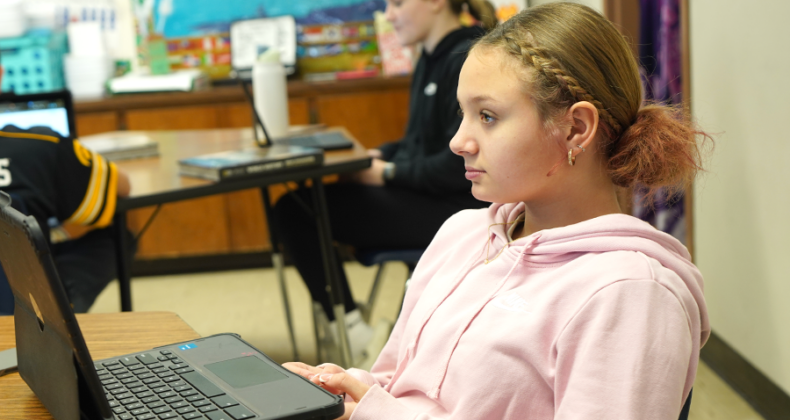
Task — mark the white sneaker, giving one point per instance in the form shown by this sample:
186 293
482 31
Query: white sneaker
359 335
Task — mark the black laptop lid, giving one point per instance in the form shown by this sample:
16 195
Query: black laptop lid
52 354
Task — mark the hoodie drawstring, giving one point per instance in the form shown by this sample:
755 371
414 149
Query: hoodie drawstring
441 374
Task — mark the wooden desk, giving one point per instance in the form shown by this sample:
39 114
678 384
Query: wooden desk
156 181
107 335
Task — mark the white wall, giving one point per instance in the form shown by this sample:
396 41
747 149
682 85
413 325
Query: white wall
741 89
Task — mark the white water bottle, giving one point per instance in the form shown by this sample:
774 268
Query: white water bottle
270 93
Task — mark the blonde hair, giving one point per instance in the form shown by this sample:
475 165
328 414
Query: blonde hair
482 10
574 55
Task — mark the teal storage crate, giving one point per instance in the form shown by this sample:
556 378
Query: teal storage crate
33 63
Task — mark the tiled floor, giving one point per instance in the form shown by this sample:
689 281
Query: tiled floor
248 302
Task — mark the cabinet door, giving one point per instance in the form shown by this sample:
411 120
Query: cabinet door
372 117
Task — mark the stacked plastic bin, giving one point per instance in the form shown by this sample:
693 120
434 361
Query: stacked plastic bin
34 62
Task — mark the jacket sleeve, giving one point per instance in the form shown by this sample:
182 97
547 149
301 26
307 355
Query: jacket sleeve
388 150
441 172
87 184
625 355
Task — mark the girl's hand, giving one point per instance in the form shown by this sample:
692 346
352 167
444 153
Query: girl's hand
334 379
373 176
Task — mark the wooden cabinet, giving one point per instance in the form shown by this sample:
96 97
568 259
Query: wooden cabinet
373 110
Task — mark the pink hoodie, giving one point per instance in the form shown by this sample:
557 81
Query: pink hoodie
603 319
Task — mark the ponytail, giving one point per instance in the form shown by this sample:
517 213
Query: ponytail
660 149
482 10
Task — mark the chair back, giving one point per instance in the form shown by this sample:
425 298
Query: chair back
6 296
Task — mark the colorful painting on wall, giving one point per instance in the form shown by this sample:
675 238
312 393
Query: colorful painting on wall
194 33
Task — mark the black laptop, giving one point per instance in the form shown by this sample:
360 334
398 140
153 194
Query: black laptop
50 109
220 377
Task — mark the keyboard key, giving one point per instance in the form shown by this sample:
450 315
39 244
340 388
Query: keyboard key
177 366
110 363
206 408
182 388
224 401
184 370
119 390
139 411
114 404
163 372
202 384
186 409
219 415
189 392
129 361
200 403
180 404
126 416
118 410
152 381
193 398
150 400
154 366
176 360
146 416
139 390
107 377
191 416
179 383
166 352
164 416
161 389
240 412
168 394
129 380
110 387
162 358
145 375
146 358
127 401
136 367
124 396
173 400
171 379
146 394
117 366
162 409
134 406
124 376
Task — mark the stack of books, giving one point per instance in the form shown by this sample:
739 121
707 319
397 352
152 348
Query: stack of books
121 145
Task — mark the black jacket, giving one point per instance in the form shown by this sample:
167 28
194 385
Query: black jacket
423 159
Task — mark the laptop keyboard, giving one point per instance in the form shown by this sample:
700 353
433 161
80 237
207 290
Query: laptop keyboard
154 386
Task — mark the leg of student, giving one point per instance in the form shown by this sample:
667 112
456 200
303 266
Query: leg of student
86 265
364 217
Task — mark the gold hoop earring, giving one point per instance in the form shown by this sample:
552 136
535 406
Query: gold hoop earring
571 158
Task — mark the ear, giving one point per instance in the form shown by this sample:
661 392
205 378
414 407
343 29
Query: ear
584 125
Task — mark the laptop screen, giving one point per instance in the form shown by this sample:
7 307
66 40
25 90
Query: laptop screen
50 110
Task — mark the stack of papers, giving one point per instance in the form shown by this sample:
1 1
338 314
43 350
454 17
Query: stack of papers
120 145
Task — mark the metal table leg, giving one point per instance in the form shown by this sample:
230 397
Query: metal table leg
121 251
277 261
331 268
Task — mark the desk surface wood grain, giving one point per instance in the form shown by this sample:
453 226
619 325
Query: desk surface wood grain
107 335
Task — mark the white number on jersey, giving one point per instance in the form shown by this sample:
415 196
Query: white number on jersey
5 173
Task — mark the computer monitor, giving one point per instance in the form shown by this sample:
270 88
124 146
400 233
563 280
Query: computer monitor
51 109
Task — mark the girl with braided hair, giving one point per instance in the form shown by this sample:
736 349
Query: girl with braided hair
551 303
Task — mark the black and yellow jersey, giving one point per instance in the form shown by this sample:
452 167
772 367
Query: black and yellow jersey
57 176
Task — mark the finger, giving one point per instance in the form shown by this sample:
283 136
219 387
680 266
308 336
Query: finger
345 383
302 369
330 368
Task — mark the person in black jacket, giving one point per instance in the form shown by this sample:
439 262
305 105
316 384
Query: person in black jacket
56 177
414 184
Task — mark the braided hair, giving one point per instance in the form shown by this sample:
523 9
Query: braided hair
571 53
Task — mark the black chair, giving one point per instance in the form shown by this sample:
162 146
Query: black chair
6 296
380 258
684 412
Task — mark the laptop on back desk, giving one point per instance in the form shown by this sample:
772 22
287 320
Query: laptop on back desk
220 377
